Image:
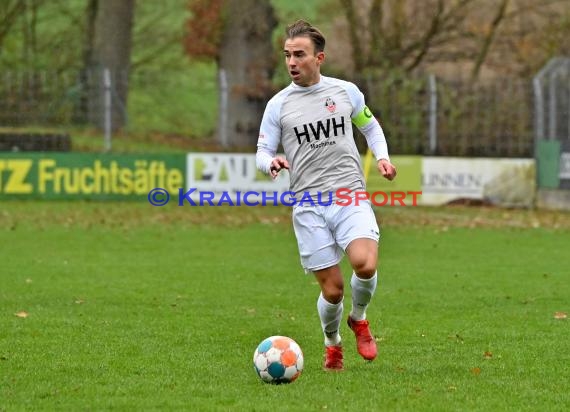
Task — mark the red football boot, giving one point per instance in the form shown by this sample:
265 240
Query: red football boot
365 342
333 358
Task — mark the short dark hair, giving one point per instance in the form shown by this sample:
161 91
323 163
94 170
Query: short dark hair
305 29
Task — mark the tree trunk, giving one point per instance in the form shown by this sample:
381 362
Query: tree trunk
111 51
245 69
81 106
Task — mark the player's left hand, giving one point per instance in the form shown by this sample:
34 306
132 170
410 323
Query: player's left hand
387 169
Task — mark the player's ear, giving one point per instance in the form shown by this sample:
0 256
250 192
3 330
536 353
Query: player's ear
321 57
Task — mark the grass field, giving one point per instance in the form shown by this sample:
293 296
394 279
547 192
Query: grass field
122 306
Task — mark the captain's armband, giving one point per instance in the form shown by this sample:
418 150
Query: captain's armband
363 118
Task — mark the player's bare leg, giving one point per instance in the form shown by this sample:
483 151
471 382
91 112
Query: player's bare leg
363 257
330 308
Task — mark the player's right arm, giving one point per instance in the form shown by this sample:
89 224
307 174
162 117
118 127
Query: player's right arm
268 141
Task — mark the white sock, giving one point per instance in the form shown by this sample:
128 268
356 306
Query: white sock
362 292
331 316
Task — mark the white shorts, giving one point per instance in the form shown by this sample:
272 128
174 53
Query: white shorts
324 232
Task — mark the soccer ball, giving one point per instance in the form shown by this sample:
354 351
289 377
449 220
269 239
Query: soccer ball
278 359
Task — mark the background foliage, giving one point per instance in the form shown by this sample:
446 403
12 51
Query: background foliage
173 97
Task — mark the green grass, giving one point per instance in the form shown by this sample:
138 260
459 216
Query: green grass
132 307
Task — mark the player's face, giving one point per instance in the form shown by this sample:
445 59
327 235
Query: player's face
303 64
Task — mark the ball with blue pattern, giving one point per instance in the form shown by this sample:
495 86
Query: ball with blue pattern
278 359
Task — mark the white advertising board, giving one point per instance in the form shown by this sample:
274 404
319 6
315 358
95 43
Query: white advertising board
231 173
507 182
498 181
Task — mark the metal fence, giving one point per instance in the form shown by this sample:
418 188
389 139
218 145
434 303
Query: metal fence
552 124
37 98
173 102
420 114
431 116
551 88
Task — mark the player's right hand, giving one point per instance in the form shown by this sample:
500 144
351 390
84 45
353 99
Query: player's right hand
277 164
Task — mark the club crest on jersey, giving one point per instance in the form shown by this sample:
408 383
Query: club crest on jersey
330 105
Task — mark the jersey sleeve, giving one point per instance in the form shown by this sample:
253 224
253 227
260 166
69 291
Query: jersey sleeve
269 136
356 98
368 125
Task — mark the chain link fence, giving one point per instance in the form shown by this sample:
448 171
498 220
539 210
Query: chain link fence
169 102
551 88
431 116
420 114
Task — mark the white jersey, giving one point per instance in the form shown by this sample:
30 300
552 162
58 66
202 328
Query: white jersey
314 126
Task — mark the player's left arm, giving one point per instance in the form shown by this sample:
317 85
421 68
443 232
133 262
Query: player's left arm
372 131
369 126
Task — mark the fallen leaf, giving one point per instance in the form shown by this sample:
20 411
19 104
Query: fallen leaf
560 315
21 314
488 355
476 371
456 337
79 301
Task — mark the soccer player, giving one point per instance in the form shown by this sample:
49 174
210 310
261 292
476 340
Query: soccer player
312 118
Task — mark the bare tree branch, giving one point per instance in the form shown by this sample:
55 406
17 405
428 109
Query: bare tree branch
375 26
398 23
153 53
443 27
488 40
357 52
428 37
9 17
